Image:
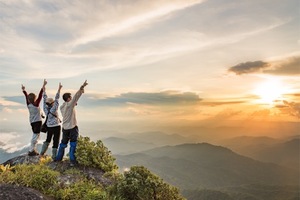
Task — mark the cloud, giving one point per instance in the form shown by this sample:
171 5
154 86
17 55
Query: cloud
222 116
6 103
13 100
261 113
77 23
130 18
160 98
293 108
8 142
289 65
286 66
58 33
220 103
248 67
83 37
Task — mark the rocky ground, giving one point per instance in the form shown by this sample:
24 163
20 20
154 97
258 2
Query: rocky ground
14 192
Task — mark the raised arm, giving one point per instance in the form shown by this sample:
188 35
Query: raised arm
45 96
78 93
44 85
37 102
83 85
25 93
56 103
58 92
59 88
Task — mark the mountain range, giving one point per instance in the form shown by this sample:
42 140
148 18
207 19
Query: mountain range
137 142
242 167
284 152
196 166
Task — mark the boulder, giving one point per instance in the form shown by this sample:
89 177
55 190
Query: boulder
22 159
13 192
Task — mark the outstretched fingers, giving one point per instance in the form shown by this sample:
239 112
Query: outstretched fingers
85 83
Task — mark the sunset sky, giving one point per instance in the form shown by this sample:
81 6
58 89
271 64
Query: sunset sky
156 62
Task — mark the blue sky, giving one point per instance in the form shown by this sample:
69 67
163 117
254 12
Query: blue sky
154 60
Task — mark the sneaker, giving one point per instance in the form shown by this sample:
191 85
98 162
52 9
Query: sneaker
33 153
73 163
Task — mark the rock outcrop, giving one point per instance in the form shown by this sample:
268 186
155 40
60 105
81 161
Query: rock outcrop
62 166
14 192
22 159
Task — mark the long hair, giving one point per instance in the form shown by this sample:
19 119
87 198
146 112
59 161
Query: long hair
31 97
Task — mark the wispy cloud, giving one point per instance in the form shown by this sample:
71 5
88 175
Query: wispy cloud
287 66
8 142
160 98
11 101
221 103
293 108
83 37
131 19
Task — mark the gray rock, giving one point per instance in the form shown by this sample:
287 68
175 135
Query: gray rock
14 192
22 159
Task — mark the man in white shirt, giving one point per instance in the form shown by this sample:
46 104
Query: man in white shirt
69 124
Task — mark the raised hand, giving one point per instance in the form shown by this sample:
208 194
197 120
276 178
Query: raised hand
60 86
85 83
45 82
23 87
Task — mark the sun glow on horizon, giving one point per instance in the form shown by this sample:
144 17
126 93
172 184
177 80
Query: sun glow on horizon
270 91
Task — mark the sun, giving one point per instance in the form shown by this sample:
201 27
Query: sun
270 91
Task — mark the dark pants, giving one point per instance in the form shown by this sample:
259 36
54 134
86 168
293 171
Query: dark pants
72 136
55 133
36 126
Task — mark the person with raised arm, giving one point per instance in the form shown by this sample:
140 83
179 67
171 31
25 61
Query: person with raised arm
35 117
52 120
69 125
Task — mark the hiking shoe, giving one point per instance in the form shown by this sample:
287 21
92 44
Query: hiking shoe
33 153
73 163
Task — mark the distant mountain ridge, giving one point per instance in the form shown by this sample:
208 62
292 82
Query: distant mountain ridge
125 146
193 166
160 138
266 149
137 142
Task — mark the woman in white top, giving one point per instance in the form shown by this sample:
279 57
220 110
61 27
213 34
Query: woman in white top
53 122
35 117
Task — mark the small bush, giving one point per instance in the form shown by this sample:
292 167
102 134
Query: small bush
82 190
139 183
94 154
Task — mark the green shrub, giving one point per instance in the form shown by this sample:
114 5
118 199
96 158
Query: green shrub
139 183
94 154
39 177
82 190
44 179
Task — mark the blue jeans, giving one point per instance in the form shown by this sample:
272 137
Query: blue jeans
72 136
